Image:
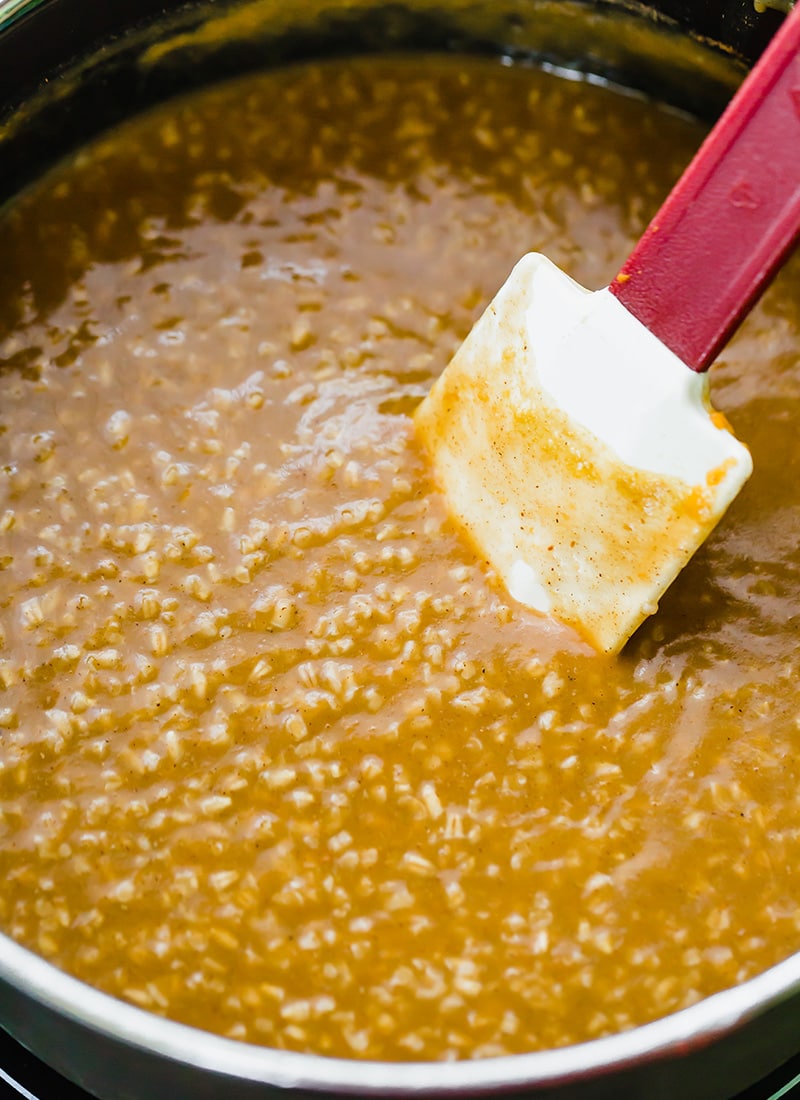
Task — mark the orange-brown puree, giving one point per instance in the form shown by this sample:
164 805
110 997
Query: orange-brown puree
277 757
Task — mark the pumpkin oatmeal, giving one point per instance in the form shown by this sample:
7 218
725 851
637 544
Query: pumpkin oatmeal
278 758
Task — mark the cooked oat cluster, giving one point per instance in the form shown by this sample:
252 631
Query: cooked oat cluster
277 756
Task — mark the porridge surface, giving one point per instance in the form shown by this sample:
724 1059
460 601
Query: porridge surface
277 756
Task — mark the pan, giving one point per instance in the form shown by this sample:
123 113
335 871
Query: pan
71 68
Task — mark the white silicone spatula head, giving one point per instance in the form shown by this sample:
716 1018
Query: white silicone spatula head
572 432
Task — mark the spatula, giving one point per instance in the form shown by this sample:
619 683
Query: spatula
572 432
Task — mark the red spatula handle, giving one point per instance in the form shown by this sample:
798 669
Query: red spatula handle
732 218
